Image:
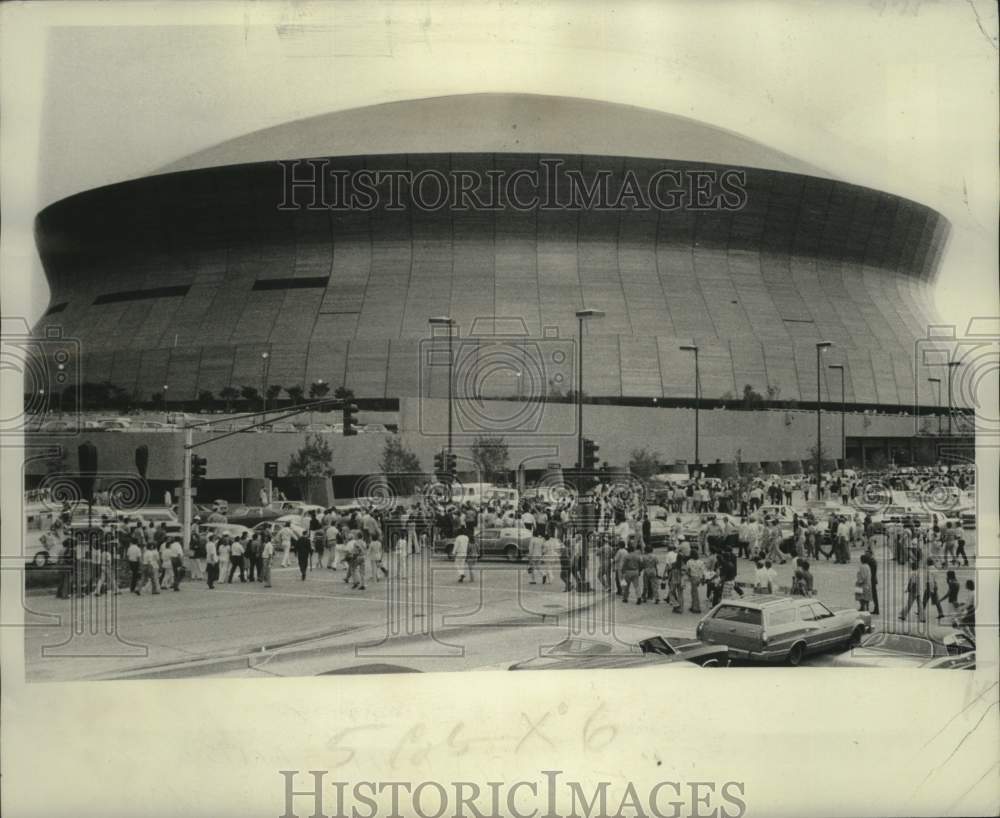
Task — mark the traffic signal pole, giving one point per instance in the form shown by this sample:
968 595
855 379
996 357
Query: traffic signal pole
186 491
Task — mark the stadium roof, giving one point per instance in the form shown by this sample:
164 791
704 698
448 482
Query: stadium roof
498 123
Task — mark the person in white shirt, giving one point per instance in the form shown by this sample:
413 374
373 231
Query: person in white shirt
236 561
134 556
266 556
461 552
284 537
528 521
176 554
400 556
536 549
151 568
211 561
550 559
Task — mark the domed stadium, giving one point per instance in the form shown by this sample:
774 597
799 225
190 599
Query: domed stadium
188 276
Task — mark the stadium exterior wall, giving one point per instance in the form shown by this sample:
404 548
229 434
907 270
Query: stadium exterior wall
187 278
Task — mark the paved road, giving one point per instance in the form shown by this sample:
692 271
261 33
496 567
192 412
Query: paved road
430 622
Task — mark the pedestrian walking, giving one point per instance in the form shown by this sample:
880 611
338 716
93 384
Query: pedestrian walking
631 573
211 562
472 557
460 551
151 568
133 554
236 551
536 547
912 594
931 593
695 570
303 550
650 577
863 584
266 558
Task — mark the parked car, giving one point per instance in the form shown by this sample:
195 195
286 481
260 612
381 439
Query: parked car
772 628
271 526
288 428
251 515
319 428
373 428
510 543
576 653
231 529
889 649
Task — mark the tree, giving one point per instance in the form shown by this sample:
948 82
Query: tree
401 466
295 393
343 393
314 460
817 453
490 454
752 399
249 394
644 463
205 399
318 389
273 391
773 392
229 394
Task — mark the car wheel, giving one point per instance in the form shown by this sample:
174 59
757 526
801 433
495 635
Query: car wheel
796 653
41 559
855 638
512 553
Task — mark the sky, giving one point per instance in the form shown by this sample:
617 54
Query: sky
896 95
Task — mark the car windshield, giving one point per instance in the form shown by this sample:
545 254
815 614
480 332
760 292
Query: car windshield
899 643
738 613
580 647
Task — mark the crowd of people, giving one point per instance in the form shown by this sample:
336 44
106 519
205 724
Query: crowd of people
605 544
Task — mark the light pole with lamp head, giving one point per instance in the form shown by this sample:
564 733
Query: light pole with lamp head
843 410
821 346
951 368
938 382
449 322
580 316
697 402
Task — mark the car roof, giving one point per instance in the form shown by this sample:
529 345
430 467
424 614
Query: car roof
766 601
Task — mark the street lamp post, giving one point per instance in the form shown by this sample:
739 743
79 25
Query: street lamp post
264 366
447 321
697 402
165 388
843 411
951 368
821 346
938 382
580 316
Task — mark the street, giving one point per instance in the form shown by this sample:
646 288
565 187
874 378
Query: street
430 622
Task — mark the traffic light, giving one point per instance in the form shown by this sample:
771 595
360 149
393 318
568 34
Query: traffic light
590 450
350 419
198 465
452 465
